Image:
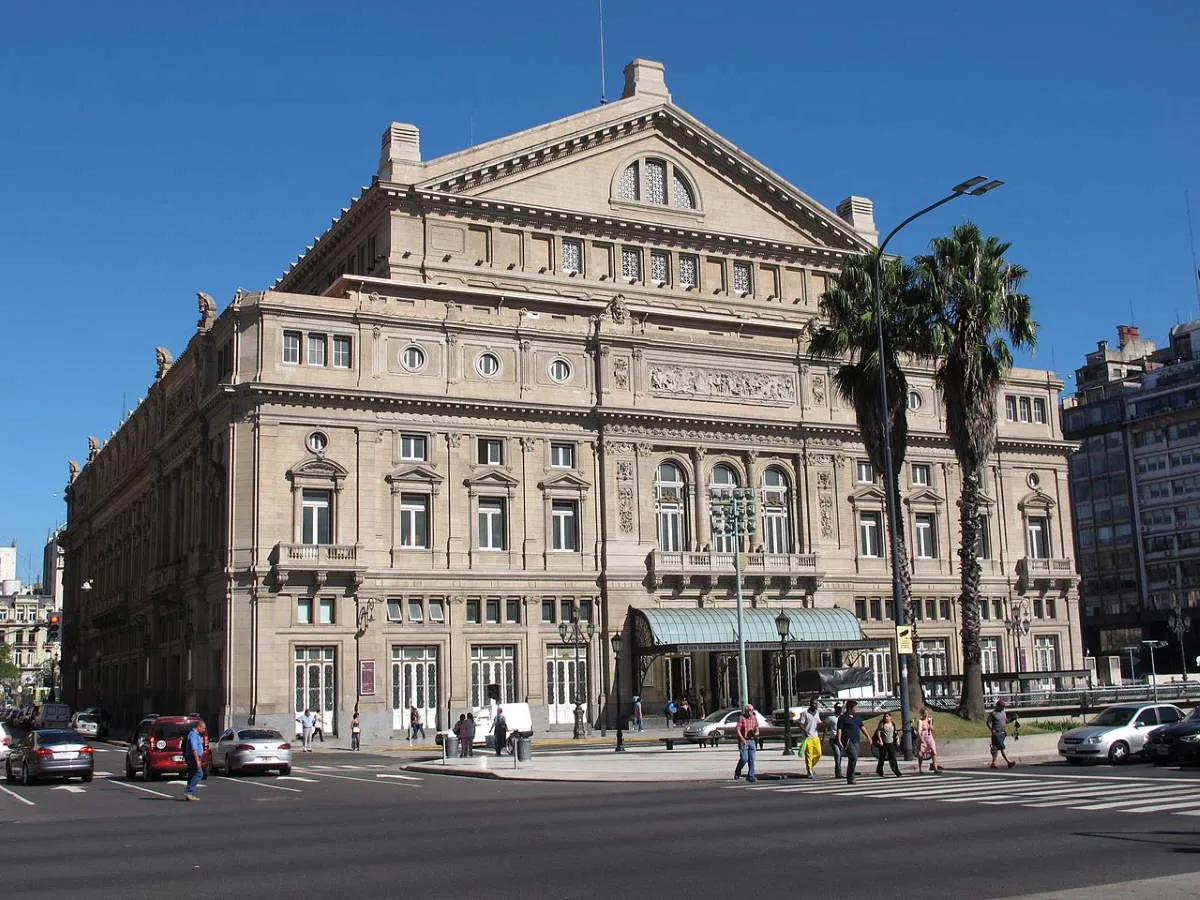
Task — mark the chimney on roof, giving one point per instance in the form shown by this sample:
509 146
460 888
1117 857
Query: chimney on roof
401 148
859 213
646 78
1127 334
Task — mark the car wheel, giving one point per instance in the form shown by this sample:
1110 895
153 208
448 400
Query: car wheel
26 778
8 774
1118 753
285 770
129 773
86 778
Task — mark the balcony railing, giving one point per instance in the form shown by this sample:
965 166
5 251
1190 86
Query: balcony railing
686 563
321 560
1037 572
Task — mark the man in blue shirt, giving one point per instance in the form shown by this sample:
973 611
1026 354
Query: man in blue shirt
193 754
849 733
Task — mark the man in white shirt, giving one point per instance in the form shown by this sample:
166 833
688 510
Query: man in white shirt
307 723
810 725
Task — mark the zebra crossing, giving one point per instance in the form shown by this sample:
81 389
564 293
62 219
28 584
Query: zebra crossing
1110 793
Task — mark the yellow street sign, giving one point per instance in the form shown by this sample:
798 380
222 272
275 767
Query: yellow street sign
904 639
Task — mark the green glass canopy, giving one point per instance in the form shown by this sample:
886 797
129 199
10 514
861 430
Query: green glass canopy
682 630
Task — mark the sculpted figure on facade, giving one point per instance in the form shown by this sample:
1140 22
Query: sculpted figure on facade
93 447
617 311
621 372
720 383
208 310
74 469
818 388
164 359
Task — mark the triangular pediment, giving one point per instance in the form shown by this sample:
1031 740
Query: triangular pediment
870 494
574 166
491 478
564 481
926 496
416 473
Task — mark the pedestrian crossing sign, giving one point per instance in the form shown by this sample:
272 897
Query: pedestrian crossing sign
904 639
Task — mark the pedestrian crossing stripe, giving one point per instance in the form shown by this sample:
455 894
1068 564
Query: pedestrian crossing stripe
1032 791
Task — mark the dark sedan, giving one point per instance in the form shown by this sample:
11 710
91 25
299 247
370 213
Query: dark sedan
1175 745
49 753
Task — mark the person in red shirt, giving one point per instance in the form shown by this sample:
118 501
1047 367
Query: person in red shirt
747 738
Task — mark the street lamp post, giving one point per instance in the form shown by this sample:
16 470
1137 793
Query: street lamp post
1017 624
1153 645
616 649
1178 623
973 187
733 516
575 634
783 625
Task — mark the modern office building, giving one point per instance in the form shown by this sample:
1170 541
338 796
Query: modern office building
1135 494
491 399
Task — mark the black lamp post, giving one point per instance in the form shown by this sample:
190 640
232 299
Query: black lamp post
783 625
973 187
1178 623
575 634
616 649
1017 625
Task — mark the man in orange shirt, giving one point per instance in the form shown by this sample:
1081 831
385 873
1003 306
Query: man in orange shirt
747 738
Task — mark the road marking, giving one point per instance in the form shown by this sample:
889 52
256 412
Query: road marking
103 774
263 784
367 780
352 768
1160 807
17 796
405 777
69 788
321 767
138 787
297 778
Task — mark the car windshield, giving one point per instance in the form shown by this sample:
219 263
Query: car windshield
168 730
58 737
718 716
86 719
262 734
1115 715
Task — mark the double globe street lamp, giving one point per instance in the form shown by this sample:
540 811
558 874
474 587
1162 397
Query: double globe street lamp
783 625
733 519
575 633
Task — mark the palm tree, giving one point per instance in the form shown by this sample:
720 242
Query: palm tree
976 312
850 334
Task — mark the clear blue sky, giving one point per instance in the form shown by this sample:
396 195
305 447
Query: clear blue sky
150 150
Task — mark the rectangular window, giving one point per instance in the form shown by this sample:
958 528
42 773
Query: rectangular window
316 526
742 283
585 610
931 608
512 610
564 526
864 472
562 456
1045 653
572 256
1051 608
566 610
413 447
316 349
877 608
868 530
1039 608
775 529
341 352
547 610
416 612
983 541
414 521
304 611
860 608
671 531
944 607
491 524
491 452
1010 408
291 347
660 267
926 537
1039 537
492 610
493 675
1023 409
395 612
920 474
631 263
1039 410
989 655
985 608
437 610
689 271
473 611
326 614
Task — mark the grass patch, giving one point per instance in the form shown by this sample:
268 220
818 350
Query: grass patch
949 727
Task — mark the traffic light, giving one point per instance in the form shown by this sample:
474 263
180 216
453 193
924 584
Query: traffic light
53 628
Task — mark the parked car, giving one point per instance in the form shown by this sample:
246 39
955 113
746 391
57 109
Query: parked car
246 749
1175 745
86 725
1116 733
53 715
49 753
721 725
6 741
156 748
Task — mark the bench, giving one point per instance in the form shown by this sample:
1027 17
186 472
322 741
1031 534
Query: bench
670 742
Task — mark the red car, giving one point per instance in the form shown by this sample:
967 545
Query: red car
156 748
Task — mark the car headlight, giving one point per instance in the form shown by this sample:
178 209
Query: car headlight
1094 739
1191 738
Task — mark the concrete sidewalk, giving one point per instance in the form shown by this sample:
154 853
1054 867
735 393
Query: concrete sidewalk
654 763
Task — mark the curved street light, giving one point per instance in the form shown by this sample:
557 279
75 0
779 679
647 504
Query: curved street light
972 187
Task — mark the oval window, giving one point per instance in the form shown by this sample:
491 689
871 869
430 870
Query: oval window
413 358
560 370
317 442
487 365
914 401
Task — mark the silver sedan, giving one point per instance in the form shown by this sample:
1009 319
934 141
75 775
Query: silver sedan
246 749
49 753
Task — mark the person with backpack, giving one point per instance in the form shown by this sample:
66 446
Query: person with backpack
460 732
500 731
849 735
997 721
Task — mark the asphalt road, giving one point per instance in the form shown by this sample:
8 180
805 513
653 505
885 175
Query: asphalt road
355 825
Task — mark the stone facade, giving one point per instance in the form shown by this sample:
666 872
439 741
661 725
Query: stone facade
493 395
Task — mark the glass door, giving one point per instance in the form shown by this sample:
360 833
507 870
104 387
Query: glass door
414 683
316 683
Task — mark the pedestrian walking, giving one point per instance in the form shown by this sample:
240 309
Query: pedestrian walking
700 707
193 754
638 722
469 734
319 725
685 712
831 724
997 721
416 723
355 731
810 728
926 744
460 732
307 722
500 731
849 736
884 740
670 711
747 738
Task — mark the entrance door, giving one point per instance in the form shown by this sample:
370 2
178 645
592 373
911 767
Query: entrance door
316 683
414 683
564 682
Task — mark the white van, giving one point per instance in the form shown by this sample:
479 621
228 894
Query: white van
517 715
52 715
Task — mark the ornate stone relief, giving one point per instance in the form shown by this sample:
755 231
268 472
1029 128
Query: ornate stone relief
208 311
722 384
621 372
825 503
625 470
625 507
617 311
164 359
453 440
618 447
528 443
818 389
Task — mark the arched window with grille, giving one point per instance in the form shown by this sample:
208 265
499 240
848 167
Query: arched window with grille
658 182
777 530
671 505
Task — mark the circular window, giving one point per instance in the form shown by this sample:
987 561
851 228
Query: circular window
560 370
914 401
413 358
317 442
487 364
1032 479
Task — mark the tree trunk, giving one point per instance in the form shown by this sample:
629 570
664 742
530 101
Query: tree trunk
971 702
